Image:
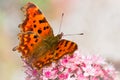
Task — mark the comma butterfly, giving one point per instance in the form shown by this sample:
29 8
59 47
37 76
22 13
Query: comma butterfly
38 45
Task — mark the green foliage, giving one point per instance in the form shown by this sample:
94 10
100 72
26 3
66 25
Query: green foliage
40 3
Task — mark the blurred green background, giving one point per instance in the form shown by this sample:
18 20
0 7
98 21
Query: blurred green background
99 20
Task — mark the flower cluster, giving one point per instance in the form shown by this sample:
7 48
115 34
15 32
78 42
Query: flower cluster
74 67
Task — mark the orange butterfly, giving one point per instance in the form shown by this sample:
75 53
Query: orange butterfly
38 45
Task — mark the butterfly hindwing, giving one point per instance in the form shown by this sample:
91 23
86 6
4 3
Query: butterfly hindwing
43 60
64 47
28 41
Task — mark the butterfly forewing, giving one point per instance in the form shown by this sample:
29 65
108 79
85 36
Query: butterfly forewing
35 21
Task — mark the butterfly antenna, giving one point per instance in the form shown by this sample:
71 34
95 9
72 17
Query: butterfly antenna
61 22
73 34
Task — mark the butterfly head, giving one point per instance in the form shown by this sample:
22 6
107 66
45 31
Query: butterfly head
59 36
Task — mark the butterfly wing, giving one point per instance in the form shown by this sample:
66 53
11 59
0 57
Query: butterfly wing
44 60
35 21
27 43
34 30
64 47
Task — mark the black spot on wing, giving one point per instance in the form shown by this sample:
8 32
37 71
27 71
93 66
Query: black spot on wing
35 36
56 54
36 40
66 42
60 50
46 27
39 11
34 21
42 21
57 48
35 26
61 42
76 46
30 5
71 44
39 31
24 23
31 29
31 44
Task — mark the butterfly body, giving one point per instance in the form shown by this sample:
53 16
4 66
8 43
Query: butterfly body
38 45
47 44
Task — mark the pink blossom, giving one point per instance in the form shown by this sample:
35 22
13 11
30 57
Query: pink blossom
63 76
74 67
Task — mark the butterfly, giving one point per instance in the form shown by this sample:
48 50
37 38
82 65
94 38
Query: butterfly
38 45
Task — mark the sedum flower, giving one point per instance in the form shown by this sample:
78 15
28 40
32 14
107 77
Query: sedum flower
74 67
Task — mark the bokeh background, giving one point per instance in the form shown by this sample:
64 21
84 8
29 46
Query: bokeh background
99 20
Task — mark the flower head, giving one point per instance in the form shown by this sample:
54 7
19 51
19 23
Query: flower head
74 67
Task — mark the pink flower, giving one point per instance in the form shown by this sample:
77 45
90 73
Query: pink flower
75 67
49 73
63 76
